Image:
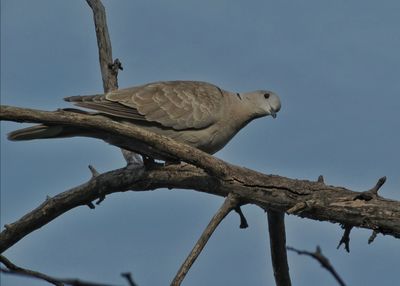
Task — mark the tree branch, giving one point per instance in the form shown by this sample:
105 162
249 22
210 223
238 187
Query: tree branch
317 255
277 240
119 180
229 204
131 138
129 279
345 240
16 270
109 69
313 200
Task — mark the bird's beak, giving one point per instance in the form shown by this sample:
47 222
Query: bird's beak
273 113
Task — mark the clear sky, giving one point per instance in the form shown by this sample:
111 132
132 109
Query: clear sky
336 67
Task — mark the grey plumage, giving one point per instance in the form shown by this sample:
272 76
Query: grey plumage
196 113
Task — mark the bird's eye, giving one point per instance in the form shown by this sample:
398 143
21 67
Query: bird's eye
266 95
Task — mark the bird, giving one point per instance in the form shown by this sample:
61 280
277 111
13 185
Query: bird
196 113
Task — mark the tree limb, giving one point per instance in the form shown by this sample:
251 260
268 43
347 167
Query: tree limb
229 204
16 270
277 241
317 255
130 137
109 69
303 198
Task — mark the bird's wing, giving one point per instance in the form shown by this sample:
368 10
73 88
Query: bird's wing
176 104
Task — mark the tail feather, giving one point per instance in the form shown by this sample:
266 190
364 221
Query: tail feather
85 98
37 132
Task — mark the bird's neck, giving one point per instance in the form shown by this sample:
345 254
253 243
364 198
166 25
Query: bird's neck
241 112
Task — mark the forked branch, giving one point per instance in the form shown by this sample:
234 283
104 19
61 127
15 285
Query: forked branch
317 255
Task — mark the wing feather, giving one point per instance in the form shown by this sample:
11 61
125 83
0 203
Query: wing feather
175 104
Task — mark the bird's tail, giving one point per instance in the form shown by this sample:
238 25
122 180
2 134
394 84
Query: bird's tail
40 132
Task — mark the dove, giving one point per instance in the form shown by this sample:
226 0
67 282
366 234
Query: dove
196 113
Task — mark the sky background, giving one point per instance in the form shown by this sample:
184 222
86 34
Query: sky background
336 67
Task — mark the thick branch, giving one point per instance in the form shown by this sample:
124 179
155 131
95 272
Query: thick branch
277 241
304 198
119 180
162 145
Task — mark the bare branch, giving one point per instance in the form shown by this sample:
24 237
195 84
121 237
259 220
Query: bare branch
345 240
243 220
16 270
229 204
371 193
109 68
119 180
93 170
270 192
128 277
317 255
372 237
131 138
277 238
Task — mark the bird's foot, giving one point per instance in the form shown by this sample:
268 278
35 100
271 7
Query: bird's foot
150 163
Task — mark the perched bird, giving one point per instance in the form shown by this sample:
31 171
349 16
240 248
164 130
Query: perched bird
196 113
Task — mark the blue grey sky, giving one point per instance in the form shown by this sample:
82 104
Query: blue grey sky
336 67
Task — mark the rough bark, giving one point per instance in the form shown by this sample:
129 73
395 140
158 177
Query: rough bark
109 69
310 199
277 241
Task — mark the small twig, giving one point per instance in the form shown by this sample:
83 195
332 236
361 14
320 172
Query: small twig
93 171
378 185
115 67
91 206
321 259
16 270
345 238
243 220
371 193
102 197
372 237
277 238
128 277
229 204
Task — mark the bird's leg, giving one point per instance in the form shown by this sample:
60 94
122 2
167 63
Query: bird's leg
132 159
149 162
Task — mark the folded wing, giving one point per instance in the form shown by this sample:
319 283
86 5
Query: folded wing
174 104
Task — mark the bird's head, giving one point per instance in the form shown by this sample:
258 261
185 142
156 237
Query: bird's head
263 102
